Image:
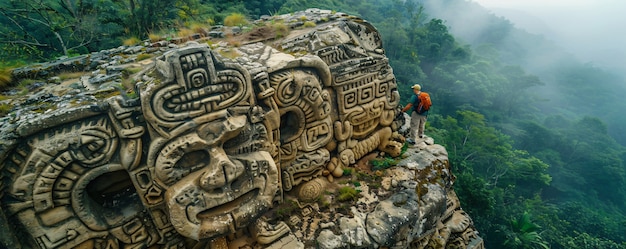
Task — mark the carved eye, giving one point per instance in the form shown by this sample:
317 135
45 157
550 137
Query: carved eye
112 188
180 157
251 138
173 170
106 198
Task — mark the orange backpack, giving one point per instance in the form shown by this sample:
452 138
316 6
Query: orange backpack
425 103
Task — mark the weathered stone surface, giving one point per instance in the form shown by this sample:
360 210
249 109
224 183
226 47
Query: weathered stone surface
224 146
328 240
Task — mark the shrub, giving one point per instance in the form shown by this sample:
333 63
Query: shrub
141 57
185 33
198 28
286 209
24 83
4 109
235 19
347 171
368 178
348 194
5 77
281 29
154 37
309 24
131 41
210 21
382 163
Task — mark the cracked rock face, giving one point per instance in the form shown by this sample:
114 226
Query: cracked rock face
223 146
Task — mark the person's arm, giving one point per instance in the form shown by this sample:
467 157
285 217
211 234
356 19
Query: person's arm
407 107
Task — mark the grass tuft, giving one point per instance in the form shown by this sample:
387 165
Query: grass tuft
131 41
235 19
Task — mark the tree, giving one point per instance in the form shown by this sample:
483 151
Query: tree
586 241
524 234
33 22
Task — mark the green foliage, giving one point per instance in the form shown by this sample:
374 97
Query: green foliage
309 24
594 220
154 37
285 209
564 165
47 29
586 241
525 234
348 194
381 163
5 77
235 19
362 176
280 28
347 171
490 172
141 57
131 41
4 109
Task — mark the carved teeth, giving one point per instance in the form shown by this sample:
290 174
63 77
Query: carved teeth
366 125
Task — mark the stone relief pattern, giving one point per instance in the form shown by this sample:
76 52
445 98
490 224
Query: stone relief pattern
201 86
66 183
214 167
305 124
210 146
363 86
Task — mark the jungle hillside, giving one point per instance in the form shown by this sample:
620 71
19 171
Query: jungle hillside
535 137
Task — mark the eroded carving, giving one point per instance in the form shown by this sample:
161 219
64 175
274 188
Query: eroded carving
214 138
70 181
208 148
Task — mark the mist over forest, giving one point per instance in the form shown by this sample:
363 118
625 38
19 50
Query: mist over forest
535 132
599 56
576 84
589 29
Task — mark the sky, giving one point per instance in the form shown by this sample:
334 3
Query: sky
593 30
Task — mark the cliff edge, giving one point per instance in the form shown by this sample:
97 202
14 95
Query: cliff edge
285 133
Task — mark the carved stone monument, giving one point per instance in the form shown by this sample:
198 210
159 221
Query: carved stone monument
211 139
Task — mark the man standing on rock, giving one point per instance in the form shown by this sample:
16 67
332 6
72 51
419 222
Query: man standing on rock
420 101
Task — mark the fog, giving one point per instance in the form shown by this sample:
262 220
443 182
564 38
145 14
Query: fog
592 30
553 31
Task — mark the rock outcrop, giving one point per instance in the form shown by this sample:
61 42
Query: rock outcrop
246 139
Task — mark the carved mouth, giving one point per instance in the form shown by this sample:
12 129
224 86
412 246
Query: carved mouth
366 125
229 207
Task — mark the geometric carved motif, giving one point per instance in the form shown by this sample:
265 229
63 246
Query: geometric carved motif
209 145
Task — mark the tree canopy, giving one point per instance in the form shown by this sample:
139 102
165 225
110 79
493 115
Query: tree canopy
538 149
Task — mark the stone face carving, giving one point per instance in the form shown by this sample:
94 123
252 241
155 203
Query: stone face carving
67 183
214 138
208 149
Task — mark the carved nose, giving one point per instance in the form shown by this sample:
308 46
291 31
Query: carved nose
213 177
220 173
